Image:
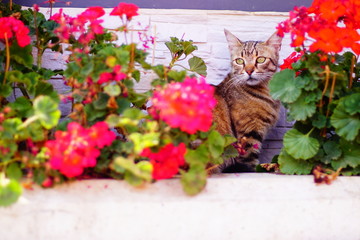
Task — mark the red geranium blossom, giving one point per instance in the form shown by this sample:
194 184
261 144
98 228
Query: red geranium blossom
327 25
167 161
78 148
127 9
116 75
11 28
187 105
292 58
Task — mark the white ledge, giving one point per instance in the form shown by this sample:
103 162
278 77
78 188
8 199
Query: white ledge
236 206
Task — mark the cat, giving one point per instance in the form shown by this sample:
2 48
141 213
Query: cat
244 107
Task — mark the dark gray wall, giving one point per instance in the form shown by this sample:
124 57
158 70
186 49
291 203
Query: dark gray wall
243 5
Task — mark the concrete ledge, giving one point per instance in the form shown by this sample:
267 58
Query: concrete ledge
234 206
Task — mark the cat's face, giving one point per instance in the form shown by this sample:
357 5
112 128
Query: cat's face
253 62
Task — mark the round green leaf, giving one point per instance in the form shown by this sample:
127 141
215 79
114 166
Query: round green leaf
346 125
47 111
290 165
300 110
300 146
352 103
112 90
10 191
283 86
197 65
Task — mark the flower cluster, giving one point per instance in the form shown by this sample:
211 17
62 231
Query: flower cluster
73 150
115 75
11 28
292 58
329 25
81 28
167 161
128 10
187 105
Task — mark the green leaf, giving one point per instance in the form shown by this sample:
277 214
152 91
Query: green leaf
46 110
22 106
5 90
142 141
21 55
13 171
135 173
319 120
283 86
332 149
215 143
10 191
290 165
194 181
178 76
300 146
197 156
300 110
352 103
346 125
101 102
350 157
112 90
197 65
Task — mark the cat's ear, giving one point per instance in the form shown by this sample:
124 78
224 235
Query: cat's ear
233 41
274 41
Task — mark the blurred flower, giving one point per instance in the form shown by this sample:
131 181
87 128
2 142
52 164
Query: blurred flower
78 148
11 28
187 105
166 161
127 9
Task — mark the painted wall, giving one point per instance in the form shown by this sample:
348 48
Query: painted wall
205 28
242 5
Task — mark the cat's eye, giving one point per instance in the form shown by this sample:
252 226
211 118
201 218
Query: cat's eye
260 59
239 61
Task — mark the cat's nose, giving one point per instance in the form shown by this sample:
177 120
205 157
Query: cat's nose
249 71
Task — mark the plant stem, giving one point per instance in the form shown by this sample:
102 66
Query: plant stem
7 64
308 134
10 5
351 78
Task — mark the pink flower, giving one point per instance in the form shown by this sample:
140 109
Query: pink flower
78 148
11 28
166 161
187 105
127 9
116 75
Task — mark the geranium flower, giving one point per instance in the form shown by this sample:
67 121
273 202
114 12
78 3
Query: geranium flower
116 75
11 28
82 28
187 105
78 148
166 161
127 9
327 25
292 58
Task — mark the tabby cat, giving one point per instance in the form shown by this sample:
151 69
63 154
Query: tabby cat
244 107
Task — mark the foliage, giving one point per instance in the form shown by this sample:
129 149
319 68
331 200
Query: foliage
109 133
319 85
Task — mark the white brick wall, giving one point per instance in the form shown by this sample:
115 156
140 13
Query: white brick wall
206 29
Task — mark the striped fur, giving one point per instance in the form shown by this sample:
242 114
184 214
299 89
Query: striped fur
245 108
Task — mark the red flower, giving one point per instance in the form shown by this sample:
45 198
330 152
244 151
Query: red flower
187 105
116 75
292 58
11 28
167 161
127 9
78 148
328 25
